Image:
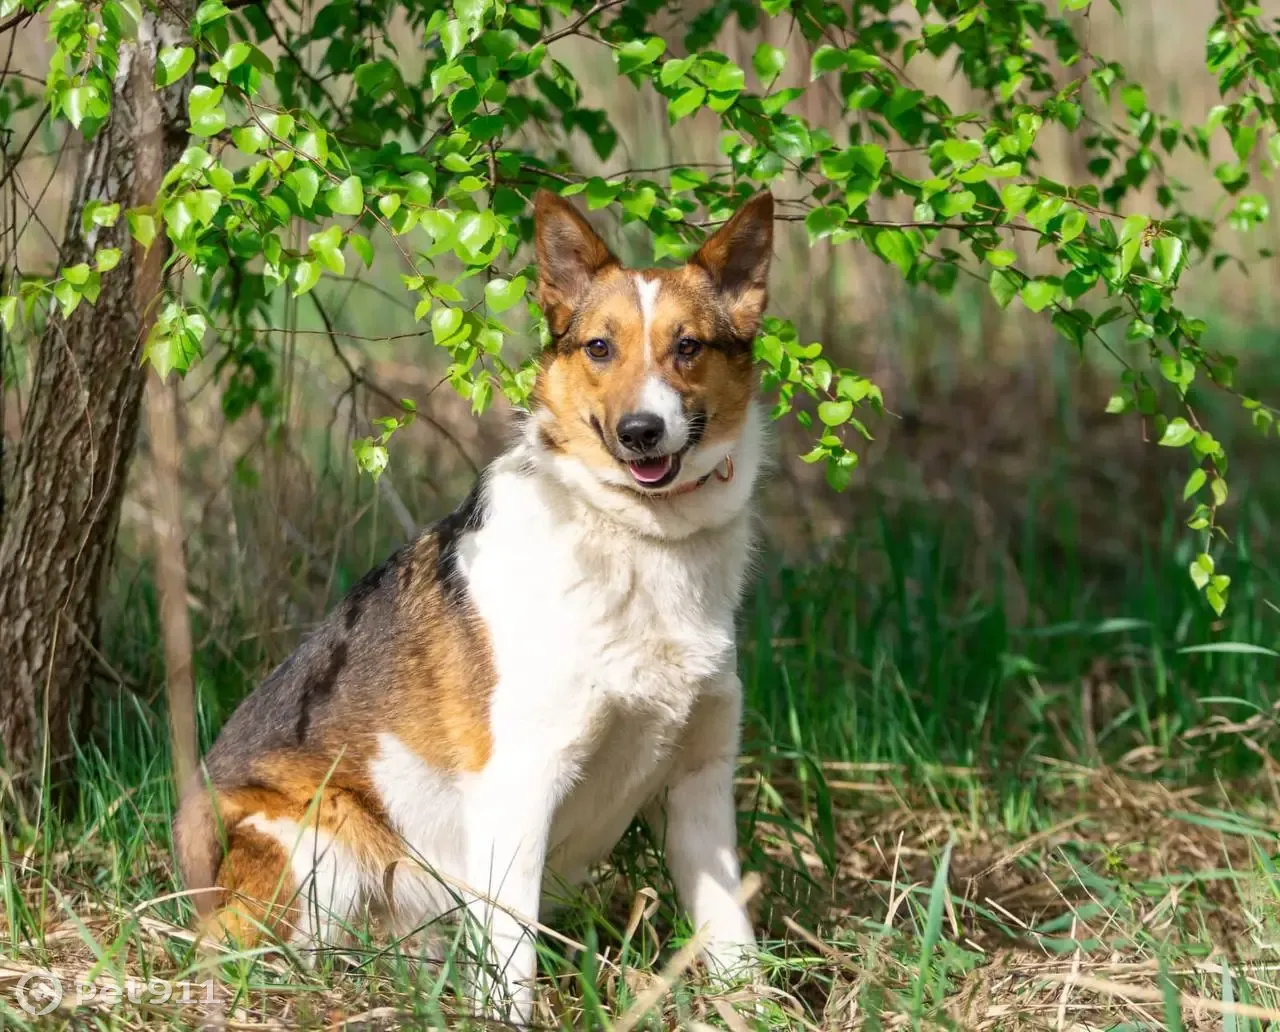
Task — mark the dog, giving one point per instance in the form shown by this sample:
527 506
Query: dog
485 713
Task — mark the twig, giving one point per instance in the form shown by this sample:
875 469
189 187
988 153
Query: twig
1141 992
14 20
13 161
358 377
604 5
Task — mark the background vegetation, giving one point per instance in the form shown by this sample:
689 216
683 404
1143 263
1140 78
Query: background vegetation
1005 767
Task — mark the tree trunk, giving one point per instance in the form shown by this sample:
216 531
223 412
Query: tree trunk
62 505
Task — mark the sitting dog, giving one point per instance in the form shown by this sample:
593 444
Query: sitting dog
486 712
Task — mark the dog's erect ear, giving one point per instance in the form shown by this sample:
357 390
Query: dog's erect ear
737 257
569 254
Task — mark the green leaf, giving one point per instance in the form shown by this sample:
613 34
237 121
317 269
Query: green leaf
389 204
173 63
106 259
768 61
640 203
839 471
347 198
314 145
1000 258
1178 433
76 103
210 11
1073 224
77 275
501 294
174 341
305 276
279 125
1194 483
370 456
249 138
8 312
304 181
822 222
826 59
475 230
454 38
950 204
961 152
637 54
1038 294
142 227
894 246
675 70
835 413
363 248
445 322
96 213
67 296
1168 252
1133 228
1201 569
686 103
327 246
209 123
1015 197
1004 287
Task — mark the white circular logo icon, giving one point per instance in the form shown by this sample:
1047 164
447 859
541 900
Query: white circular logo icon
39 992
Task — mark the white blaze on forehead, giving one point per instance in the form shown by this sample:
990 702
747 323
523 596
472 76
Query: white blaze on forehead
656 395
648 291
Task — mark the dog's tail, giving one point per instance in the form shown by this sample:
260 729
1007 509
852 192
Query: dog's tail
197 842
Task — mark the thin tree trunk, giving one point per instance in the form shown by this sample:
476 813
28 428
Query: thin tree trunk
62 505
162 428
171 576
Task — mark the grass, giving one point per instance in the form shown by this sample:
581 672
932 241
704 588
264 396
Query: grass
959 818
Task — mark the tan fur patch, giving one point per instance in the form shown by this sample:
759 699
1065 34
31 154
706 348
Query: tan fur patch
405 654
259 900
444 666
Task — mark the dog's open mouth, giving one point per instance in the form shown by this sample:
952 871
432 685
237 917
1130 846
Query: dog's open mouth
652 474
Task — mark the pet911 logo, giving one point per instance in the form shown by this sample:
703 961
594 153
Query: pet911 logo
41 991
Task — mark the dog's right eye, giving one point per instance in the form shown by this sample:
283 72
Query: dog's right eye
598 349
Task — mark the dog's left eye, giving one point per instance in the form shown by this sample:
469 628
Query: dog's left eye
688 347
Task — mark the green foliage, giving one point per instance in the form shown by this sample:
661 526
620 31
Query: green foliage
433 158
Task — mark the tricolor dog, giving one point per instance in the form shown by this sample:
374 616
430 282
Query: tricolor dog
486 712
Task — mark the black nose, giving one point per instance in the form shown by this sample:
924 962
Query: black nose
641 431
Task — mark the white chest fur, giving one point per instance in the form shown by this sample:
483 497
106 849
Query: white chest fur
602 639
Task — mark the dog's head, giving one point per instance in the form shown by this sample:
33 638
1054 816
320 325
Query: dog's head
647 384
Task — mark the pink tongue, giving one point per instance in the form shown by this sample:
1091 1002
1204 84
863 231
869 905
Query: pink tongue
650 471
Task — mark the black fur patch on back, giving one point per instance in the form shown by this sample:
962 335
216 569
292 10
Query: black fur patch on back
319 686
466 518
364 589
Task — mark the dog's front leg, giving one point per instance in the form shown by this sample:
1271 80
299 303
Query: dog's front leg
700 833
508 821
